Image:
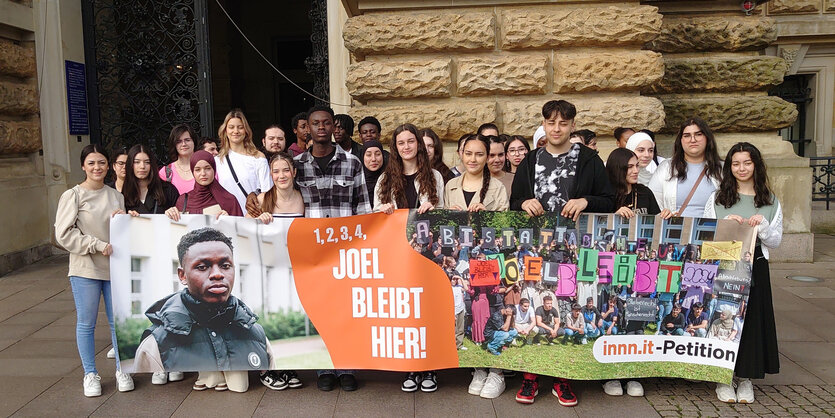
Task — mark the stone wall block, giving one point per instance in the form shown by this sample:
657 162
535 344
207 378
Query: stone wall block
517 74
17 60
776 7
402 79
19 137
830 6
449 120
731 114
18 98
545 27
714 33
600 114
397 33
607 71
720 74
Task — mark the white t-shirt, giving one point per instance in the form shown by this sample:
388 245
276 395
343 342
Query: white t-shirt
458 298
253 174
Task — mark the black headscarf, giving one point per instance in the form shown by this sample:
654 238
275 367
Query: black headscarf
372 176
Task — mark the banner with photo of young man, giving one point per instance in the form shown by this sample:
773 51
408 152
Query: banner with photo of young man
602 298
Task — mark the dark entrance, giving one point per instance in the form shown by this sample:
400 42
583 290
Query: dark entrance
285 33
795 89
152 64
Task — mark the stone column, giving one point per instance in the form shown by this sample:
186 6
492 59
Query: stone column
714 68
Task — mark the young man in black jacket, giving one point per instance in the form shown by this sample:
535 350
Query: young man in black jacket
559 177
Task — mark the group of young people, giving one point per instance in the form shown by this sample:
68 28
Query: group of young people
324 173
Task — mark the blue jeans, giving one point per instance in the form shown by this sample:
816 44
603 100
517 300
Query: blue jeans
501 338
86 293
677 331
570 333
666 307
605 326
592 332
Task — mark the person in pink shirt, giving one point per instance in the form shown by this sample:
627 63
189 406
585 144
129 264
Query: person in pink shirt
180 144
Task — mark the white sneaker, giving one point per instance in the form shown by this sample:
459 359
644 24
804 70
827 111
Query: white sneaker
725 393
124 381
745 391
584 341
92 385
479 377
111 353
463 349
159 378
613 388
494 385
634 388
175 376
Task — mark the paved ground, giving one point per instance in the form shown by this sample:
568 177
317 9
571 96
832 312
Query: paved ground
40 372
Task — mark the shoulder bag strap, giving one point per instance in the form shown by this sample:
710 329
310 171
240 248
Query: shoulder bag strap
692 191
185 202
235 176
168 173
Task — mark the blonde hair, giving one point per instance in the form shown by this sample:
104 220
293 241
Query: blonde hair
249 146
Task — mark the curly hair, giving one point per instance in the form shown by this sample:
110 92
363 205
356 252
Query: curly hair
728 194
392 185
200 235
678 165
249 146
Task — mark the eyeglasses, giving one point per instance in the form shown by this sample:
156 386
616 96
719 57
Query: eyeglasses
517 151
120 163
697 135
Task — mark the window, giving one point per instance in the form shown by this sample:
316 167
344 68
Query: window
646 227
135 308
135 265
621 226
176 279
582 226
671 230
135 286
600 226
703 230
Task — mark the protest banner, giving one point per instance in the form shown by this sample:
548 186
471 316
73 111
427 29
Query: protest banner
363 292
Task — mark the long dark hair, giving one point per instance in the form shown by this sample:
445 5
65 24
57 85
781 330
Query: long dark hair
272 195
485 173
616 166
678 165
176 131
131 187
438 156
728 194
519 138
393 183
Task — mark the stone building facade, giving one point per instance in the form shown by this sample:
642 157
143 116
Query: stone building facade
452 65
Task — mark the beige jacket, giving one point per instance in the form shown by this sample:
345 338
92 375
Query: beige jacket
495 199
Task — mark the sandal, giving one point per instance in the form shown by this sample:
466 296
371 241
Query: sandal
199 386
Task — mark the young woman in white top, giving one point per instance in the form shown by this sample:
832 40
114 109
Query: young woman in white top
181 144
239 158
82 227
409 180
694 152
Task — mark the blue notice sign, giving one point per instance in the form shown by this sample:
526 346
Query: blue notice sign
77 98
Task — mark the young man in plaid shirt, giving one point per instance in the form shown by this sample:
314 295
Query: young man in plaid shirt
332 184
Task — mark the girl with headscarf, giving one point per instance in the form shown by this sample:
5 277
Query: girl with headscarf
723 327
644 147
373 164
206 193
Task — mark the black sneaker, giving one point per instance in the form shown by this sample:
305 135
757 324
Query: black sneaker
429 382
291 378
348 382
326 382
411 383
273 380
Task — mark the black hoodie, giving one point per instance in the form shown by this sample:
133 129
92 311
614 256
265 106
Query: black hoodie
590 182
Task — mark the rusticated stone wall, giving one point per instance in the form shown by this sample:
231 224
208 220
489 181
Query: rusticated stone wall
19 121
453 69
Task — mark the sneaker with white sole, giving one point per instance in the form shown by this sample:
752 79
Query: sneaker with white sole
725 393
634 388
92 385
159 378
493 385
613 388
411 383
111 353
175 376
477 384
123 381
745 391
429 383
291 378
273 379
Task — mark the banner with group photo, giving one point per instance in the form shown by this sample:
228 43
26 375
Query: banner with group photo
591 299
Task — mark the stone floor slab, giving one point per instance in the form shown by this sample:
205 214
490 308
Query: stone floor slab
19 391
374 386
211 403
65 399
307 401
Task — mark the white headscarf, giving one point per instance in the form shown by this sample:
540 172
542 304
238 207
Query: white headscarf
646 172
539 134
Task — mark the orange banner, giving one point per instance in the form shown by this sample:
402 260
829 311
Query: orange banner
355 279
